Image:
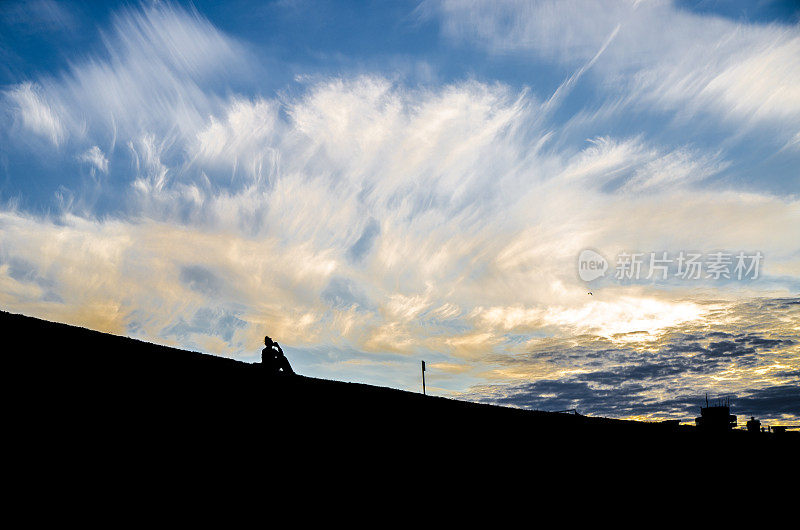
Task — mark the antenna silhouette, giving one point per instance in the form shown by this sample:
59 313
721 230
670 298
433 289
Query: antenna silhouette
423 378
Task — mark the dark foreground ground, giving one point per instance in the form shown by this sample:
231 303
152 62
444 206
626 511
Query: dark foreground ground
81 396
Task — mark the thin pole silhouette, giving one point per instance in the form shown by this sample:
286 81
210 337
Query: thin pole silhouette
423 378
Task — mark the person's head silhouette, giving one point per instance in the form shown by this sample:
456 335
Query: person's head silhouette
268 342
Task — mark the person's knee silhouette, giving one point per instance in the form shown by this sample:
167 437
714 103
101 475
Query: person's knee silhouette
284 366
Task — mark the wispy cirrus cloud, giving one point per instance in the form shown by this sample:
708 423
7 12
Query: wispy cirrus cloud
510 267
660 55
96 158
32 112
154 75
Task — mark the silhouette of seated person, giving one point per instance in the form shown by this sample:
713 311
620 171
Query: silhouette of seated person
273 359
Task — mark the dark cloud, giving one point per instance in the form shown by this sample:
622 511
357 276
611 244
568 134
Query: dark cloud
631 399
671 376
361 247
625 400
768 343
21 270
26 272
718 335
207 321
727 348
780 399
343 293
648 372
201 280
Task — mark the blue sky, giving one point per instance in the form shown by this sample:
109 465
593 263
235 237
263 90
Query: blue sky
374 183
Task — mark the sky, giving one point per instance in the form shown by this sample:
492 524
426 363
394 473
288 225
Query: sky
556 204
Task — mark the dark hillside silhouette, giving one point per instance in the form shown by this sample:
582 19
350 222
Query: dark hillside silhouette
97 393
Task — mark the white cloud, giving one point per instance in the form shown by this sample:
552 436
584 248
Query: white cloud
36 113
676 167
96 158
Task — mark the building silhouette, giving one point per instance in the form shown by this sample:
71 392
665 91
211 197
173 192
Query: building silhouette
716 418
753 425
